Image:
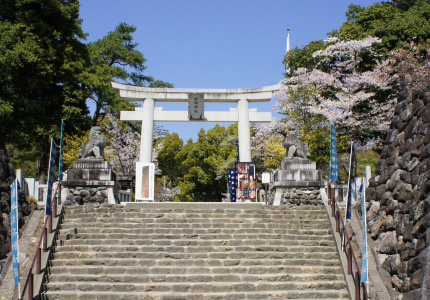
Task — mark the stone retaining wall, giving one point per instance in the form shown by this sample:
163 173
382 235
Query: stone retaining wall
399 200
301 196
83 195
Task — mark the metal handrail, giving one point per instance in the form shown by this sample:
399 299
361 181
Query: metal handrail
47 224
346 246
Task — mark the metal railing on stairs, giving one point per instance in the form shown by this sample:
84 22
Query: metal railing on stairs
353 268
42 248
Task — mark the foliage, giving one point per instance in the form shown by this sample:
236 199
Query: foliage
198 168
123 145
72 144
302 57
343 90
273 152
168 163
115 57
394 23
367 158
203 161
41 57
25 159
410 68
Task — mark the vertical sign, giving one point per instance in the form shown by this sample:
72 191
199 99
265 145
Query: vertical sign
14 232
232 183
350 180
364 269
145 173
334 174
196 107
51 175
247 183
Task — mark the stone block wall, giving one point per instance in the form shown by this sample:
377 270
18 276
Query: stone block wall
301 196
398 198
87 195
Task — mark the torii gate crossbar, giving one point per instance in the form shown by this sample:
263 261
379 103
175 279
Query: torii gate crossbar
149 113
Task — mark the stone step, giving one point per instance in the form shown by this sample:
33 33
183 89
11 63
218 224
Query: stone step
194 208
189 225
197 242
113 220
193 249
145 270
189 251
195 236
182 231
302 295
228 278
201 262
197 255
158 215
192 287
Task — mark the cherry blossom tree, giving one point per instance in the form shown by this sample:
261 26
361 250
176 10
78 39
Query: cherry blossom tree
344 87
409 67
124 145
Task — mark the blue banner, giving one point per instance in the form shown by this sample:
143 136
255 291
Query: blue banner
51 175
232 183
60 156
350 182
334 173
364 269
14 231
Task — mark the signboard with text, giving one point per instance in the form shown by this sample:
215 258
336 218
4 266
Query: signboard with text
145 173
246 181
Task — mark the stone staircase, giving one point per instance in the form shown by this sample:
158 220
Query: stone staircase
173 253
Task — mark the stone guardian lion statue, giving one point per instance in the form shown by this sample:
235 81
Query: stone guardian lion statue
94 149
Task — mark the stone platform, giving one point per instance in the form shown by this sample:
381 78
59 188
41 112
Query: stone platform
297 181
90 181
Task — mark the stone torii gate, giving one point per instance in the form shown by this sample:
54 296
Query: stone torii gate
196 99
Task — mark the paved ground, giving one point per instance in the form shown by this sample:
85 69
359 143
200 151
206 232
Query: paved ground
27 247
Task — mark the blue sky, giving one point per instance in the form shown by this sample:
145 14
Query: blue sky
218 43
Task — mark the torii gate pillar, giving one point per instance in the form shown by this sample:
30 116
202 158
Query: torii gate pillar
244 133
147 131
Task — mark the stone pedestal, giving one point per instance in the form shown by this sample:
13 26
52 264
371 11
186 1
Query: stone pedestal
90 181
297 181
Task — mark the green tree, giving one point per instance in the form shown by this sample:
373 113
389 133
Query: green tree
302 57
394 23
204 164
115 57
41 58
167 158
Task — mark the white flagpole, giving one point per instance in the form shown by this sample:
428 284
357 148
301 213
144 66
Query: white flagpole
287 50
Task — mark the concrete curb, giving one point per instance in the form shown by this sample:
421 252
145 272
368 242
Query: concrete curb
348 278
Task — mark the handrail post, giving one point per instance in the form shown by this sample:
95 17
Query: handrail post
349 255
45 239
50 224
59 194
337 221
333 207
54 208
39 260
357 286
30 287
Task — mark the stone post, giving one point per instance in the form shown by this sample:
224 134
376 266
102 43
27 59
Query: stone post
244 131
